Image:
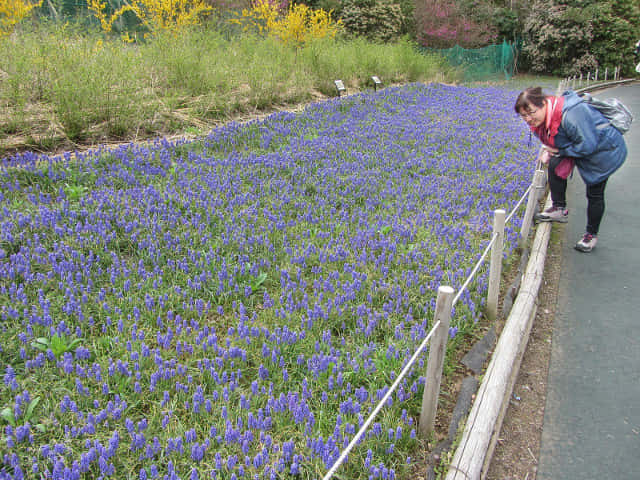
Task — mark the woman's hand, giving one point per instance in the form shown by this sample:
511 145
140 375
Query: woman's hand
547 153
544 157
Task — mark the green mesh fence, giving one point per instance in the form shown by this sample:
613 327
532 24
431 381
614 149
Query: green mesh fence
481 63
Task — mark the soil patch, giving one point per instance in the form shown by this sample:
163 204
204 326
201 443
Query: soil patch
517 451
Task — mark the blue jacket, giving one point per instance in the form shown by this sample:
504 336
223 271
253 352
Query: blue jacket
586 135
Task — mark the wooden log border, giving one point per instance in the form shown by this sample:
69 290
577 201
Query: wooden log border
473 455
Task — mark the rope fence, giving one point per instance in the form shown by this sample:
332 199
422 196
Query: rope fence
445 302
522 198
475 269
472 457
384 399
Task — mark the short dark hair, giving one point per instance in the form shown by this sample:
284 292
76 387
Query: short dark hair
530 96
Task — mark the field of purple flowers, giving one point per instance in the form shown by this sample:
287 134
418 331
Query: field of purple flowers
234 307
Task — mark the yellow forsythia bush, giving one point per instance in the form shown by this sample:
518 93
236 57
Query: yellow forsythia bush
298 25
156 15
12 12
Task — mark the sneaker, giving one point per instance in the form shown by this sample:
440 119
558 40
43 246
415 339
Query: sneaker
587 243
553 214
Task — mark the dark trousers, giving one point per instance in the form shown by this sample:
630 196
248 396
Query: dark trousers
595 200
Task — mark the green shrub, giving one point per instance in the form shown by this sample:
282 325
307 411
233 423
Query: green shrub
508 23
184 64
89 91
376 20
616 30
26 59
574 38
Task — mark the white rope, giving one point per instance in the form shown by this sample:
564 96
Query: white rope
375 411
489 245
422 346
475 269
524 195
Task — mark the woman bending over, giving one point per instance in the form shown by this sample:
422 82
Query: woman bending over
572 132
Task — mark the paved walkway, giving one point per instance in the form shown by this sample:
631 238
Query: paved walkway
592 416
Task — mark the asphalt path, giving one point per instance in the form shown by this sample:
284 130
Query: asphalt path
592 415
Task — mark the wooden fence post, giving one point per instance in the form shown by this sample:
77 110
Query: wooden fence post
495 267
532 200
437 350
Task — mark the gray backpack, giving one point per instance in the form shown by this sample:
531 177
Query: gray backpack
613 110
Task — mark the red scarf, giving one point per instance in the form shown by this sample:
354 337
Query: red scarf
547 132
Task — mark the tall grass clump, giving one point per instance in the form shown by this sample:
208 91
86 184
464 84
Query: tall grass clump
354 61
78 86
90 92
70 85
219 77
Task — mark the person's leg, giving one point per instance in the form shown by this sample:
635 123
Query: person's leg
595 206
595 211
558 210
558 187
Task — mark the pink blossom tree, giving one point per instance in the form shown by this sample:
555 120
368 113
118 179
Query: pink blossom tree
443 24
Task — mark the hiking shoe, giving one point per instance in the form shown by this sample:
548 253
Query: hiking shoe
587 243
553 214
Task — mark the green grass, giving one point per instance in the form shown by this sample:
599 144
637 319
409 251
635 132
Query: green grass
63 87
520 82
